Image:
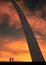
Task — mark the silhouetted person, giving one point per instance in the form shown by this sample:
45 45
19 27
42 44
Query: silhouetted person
10 59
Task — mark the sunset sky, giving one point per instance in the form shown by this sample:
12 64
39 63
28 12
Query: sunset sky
13 42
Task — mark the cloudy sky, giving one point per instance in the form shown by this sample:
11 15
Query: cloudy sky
12 38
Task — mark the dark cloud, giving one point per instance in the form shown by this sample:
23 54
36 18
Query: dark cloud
12 31
42 36
44 16
37 5
33 4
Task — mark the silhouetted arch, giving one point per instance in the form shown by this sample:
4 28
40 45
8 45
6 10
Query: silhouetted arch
32 43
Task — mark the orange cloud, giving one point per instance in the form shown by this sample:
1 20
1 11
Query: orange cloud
18 49
10 47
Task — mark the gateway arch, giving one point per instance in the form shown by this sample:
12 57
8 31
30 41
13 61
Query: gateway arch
31 40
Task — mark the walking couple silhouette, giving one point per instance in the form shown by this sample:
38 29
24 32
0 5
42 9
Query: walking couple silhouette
11 59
